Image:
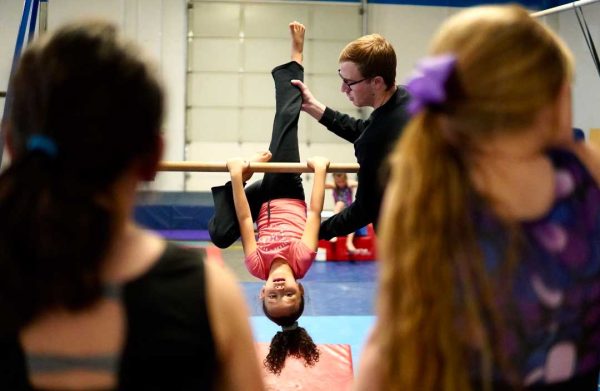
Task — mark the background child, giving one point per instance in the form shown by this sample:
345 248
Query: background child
343 195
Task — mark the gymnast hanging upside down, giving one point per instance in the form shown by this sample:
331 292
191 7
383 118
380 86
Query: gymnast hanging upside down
287 230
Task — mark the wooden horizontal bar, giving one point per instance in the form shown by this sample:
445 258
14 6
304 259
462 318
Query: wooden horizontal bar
254 166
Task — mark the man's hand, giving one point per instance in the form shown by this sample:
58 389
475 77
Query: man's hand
309 103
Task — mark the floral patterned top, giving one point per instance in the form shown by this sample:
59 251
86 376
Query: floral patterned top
343 194
552 304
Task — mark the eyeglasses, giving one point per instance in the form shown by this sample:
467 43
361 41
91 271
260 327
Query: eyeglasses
349 84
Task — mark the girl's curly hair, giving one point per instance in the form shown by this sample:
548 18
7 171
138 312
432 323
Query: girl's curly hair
294 341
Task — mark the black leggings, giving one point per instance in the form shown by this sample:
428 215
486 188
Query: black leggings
223 226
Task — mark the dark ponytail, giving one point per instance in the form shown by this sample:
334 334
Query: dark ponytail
291 341
51 242
85 92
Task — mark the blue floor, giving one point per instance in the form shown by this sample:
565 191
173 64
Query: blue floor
339 305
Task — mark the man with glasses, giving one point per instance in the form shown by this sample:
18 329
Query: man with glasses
368 72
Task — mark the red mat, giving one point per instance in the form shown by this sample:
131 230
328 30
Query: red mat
333 372
337 251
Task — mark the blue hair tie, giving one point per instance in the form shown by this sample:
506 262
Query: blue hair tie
44 144
578 134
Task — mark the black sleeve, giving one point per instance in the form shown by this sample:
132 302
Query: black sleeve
343 125
347 221
13 371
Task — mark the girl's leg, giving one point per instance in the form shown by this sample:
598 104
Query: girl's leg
284 138
350 243
339 206
223 226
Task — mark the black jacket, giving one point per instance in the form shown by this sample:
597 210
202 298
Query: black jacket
373 139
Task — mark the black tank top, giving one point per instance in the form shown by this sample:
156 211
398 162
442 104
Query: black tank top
169 343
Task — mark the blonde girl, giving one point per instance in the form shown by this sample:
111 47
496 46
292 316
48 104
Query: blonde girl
490 274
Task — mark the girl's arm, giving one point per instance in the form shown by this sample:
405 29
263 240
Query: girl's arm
313 216
242 209
330 185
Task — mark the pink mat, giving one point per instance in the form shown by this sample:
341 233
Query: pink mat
333 372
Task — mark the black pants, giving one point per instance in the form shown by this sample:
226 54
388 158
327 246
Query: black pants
223 226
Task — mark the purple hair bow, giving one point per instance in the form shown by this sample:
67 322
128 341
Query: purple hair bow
426 84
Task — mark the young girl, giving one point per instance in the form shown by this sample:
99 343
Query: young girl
287 231
490 274
88 299
343 195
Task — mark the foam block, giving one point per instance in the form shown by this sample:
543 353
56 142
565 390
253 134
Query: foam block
333 371
336 251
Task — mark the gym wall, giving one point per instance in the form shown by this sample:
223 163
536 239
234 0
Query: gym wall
215 59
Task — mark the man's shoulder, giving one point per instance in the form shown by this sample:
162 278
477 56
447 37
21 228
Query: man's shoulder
401 97
402 91
394 111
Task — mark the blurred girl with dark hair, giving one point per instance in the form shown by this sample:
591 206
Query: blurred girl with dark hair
88 299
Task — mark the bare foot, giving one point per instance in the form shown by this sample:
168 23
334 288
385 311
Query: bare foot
261 157
297 31
350 243
351 249
359 251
